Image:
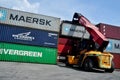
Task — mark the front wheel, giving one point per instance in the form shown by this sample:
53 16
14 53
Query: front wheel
88 65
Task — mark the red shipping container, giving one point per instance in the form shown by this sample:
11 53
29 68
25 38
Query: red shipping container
63 49
116 60
109 31
65 41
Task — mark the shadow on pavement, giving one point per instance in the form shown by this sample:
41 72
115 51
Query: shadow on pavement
79 69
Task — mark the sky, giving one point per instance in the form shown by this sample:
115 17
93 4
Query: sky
97 11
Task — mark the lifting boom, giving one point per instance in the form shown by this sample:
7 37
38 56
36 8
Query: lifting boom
96 35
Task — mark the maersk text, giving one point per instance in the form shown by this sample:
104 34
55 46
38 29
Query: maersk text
29 19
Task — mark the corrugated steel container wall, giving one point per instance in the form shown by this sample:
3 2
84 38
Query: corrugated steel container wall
65 41
25 19
110 31
72 30
113 46
64 49
65 45
116 60
28 36
23 53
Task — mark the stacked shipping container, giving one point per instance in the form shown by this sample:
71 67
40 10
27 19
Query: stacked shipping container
109 31
28 37
16 34
25 53
112 33
30 20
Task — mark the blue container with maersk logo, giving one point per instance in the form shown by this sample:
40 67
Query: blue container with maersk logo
15 34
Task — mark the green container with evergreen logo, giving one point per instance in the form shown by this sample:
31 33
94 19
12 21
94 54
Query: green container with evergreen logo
24 53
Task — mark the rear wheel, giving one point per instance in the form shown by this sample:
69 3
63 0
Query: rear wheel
88 65
111 69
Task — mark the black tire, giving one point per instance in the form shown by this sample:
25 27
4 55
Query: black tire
88 65
111 69
67 63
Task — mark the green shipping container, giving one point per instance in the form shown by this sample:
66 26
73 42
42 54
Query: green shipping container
24 53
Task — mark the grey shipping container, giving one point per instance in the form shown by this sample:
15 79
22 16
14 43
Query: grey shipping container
15 34
25 19
110 31
69 29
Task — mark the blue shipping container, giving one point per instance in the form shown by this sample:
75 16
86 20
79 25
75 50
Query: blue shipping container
14 34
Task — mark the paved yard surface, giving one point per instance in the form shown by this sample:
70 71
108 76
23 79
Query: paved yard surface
28 71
